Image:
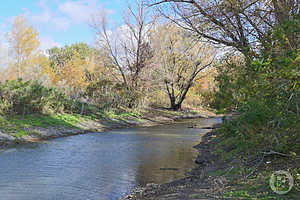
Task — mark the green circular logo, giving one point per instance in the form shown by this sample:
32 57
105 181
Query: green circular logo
281 182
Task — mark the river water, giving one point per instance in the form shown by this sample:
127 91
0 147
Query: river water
99 166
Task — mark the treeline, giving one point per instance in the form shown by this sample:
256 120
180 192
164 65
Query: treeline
144 62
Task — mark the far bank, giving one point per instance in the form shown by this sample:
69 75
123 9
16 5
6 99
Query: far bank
36 127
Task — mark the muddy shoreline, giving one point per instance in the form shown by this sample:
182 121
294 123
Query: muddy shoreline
197 184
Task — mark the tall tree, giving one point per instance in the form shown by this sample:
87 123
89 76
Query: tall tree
181 58
243 25
128 48
24 46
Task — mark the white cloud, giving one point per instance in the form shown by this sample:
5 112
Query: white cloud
48 19
47 43
41 18
81 11
61 23
66 14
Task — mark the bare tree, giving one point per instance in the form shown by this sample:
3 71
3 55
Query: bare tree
128 47
241 24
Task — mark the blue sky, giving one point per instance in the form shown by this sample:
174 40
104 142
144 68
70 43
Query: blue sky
60 22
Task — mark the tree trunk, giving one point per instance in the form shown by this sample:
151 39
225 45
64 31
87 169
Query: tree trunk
176 106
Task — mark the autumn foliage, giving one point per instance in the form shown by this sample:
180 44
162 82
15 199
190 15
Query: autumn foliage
27 59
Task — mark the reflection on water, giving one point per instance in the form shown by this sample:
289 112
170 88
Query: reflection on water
98 165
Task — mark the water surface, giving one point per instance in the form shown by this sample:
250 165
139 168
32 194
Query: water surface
99 166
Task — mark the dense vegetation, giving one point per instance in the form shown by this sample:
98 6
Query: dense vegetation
21 98
256 74
265 91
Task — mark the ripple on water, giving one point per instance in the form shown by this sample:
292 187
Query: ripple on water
98 166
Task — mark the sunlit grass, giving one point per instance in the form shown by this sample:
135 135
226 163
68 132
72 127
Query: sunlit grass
17 125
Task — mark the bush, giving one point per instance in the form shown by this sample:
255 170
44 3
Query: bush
106 94
232 83
266 93
18 97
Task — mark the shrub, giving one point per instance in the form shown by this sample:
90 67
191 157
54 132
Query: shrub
106 94
266 93
18 97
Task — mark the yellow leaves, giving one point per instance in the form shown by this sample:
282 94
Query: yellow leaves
206 80
74 72
177 51
182 59
23 39
52 74
11 72
36 67
24 43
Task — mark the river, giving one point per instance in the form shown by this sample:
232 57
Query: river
99 166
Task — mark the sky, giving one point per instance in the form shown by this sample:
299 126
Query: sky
60 22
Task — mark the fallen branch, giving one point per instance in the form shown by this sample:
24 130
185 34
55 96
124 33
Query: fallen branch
271 152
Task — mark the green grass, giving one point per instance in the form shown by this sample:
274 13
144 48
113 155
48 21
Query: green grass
235 194
21 133
16 125
120 115
254 187
196 112
217 173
